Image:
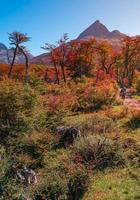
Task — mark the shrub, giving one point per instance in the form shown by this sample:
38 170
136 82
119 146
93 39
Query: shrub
77 186
91 123
55 89
133 156
132 151
134 120
55 187
91 97
4 162
57 107
31 148
117 112
21 108
62 180
11 191
37 83
136 84
99 152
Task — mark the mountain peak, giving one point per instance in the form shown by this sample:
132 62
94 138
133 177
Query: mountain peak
2 47
99 30
97 22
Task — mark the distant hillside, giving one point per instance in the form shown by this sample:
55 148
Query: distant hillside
3 55
97 30
41 59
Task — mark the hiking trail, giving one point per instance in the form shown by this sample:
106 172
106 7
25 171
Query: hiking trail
131 102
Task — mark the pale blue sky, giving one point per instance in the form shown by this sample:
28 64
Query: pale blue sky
47 20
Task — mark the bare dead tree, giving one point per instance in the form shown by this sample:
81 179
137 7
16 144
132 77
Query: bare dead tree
24 52
62 53
52 50
17 39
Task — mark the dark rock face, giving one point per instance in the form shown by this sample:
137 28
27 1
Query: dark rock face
99 30
67 135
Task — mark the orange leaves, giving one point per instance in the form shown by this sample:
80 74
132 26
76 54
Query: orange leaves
19 70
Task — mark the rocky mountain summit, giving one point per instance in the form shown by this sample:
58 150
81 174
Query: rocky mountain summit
99 30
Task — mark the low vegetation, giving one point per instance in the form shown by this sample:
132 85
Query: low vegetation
65 133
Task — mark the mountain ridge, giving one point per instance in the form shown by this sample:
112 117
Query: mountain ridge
96 30
3 55
99 30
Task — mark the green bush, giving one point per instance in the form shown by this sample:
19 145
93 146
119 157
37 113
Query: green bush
21 109
77 186
133 157
54 119
4 162
30 149
132 151
62 186
54 188
99 152
37 83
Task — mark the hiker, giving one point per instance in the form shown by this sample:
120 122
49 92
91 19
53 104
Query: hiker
123 92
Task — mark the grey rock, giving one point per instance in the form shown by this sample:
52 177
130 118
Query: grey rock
26 175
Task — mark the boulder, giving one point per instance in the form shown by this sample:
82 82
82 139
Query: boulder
67 135
26 175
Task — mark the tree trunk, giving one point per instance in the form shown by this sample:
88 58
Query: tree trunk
57 74
26 65
63 73
46 75
27 68
12 63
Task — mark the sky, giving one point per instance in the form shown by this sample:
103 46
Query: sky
47 20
